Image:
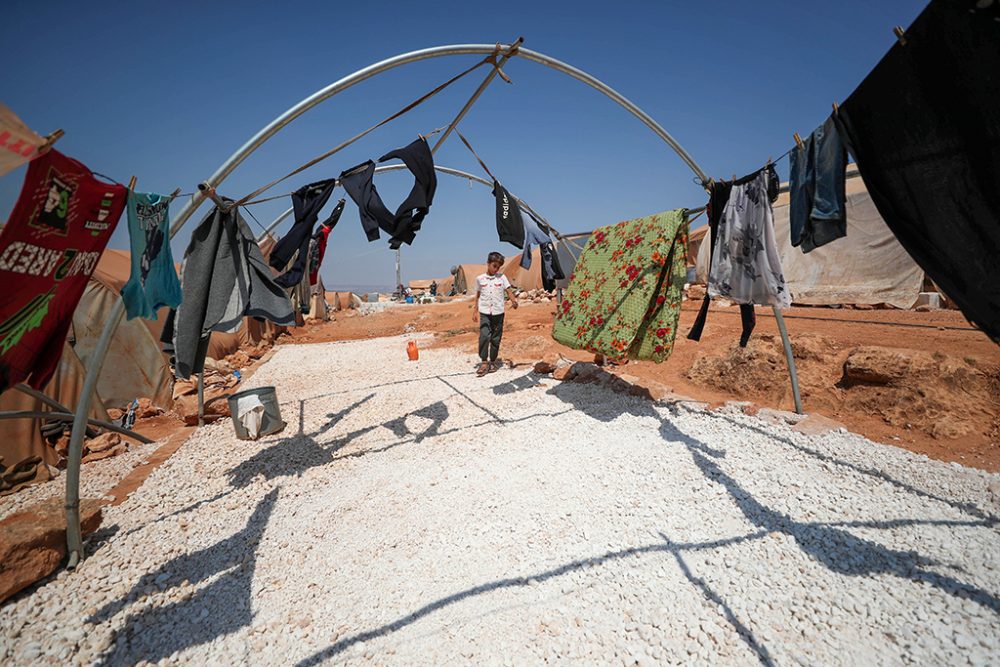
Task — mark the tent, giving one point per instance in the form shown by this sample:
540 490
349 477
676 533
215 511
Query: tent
466 276
343 300
868 266
21 439
525 279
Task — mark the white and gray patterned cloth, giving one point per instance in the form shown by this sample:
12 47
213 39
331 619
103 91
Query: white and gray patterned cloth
745 264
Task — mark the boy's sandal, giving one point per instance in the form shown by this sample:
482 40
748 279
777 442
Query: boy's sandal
483 369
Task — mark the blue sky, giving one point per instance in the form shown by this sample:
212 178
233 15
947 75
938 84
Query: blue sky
167 91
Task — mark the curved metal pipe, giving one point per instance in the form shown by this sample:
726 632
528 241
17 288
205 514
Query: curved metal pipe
234 160
415 56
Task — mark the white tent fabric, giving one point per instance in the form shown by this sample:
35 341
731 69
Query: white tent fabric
868 266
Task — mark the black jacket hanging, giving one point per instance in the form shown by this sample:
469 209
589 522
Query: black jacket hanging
510 225
401 227
551 269
307 202
924 128
418 159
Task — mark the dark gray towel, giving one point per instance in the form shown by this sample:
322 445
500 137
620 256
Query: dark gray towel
224 278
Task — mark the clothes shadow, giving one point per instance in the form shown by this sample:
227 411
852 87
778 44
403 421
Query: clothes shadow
155 633
521 383
291 456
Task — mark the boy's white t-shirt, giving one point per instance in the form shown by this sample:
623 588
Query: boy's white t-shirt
491 291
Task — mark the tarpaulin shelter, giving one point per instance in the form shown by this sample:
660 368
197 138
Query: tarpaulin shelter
526 279
21 439
465 277
868 266
343 300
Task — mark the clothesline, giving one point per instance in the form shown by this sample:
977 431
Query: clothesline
423 98
289 194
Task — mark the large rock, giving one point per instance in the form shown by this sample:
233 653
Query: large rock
33 542
872 364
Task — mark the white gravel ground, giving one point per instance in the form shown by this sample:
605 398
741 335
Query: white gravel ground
96 479
412 513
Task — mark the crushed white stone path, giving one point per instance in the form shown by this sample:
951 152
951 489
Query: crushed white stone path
412 513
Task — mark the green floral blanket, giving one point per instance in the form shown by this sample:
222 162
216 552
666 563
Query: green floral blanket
624 298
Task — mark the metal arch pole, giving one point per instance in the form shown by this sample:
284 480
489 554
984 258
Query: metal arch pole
234 160
479 91
277 221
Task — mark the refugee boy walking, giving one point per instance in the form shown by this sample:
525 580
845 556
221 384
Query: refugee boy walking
488 309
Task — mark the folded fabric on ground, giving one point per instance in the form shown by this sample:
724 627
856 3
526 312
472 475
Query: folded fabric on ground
924 128
224 278
625 293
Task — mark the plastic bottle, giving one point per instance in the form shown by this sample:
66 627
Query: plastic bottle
411 351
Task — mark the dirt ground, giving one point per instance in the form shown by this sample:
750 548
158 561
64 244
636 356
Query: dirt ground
925 381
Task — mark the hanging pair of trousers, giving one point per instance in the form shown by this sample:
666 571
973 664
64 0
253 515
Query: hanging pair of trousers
490 333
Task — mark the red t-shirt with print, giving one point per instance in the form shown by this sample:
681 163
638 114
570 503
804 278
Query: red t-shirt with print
49 248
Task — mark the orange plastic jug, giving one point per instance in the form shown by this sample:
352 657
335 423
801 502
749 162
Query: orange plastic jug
411 351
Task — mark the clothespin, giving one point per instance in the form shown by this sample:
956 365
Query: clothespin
900 35
131 183
175 194
50 140
210 192
836 109
798 140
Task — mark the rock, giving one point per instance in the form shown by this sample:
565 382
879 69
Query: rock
33 542
103 442
562 373
817 425
114 414
544 367
120 448
780 416
881 365
239 359
696 292
216 406
147 409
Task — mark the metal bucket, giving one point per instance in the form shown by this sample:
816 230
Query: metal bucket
271 419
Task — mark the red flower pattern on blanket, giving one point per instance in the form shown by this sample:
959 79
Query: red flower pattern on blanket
625 293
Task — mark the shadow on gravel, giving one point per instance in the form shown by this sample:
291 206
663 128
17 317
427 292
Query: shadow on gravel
827 544
154 633
967 508
521 582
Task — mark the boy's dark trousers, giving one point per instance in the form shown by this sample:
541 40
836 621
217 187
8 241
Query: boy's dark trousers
490 332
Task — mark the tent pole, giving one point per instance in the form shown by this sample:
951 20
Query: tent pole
201 398
272 128
74 538
792 374
65 416
277 221
510 51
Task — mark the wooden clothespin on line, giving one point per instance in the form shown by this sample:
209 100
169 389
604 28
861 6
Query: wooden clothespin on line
50 140
131 183
210 192
836 109
900 35
798 140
